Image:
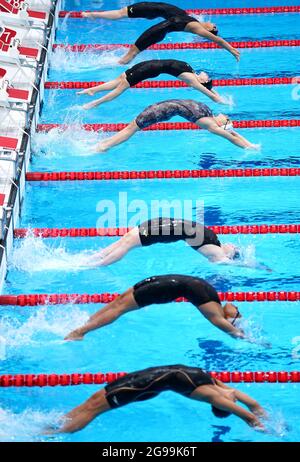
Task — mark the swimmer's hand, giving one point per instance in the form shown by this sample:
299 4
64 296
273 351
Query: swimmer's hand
254 147
260 342
256 424
91 105
226 100
74 335
236 53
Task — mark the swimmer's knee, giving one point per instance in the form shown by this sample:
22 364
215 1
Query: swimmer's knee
123 12
123 300
95 401
134 125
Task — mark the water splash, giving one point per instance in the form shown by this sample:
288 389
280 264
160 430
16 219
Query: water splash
43 327
63 26
47 256
27 425
275 424
229 100
3 345
248 256
91 60
252 326
200 17
53 143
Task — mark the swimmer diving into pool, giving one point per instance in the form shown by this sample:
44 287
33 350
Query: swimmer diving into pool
188 109
191 382
176 20
167 230
166 289
153 68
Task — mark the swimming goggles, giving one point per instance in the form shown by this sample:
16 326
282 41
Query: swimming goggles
237 315
228 125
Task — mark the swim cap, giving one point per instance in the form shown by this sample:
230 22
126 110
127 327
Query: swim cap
208 84
219 413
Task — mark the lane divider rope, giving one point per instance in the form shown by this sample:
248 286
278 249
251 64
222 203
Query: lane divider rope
164 126
79 48
177 83
217 11
53 380
161 174
110 232
65 299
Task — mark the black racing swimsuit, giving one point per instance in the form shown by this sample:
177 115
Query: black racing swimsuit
152 10
155 67
158 32
167 288
164 110
148 383
166 230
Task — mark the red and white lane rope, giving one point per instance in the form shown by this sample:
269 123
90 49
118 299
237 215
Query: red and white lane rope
110 232
65 299
72 85
54 380
179 46
162 174
165 126
215 11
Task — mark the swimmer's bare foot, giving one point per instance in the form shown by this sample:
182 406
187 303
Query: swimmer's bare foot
87 14
87 91
90 105
74 335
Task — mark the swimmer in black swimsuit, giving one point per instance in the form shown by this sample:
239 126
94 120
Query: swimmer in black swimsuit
189 109
176 20
165 289
191 382
167 230
153 68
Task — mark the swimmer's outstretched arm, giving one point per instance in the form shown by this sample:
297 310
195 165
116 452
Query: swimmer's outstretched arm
211 311
243 139
191 80
228 261
251 403
198 29
119 138
221 402
233 137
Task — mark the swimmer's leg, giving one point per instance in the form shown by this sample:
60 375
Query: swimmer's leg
82 415
151 36
130 55
121 305
122 86
111 85
119 138
117 250
112 14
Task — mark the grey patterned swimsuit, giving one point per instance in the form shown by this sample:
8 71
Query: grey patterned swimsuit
164 110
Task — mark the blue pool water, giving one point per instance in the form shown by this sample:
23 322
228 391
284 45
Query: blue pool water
173 333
